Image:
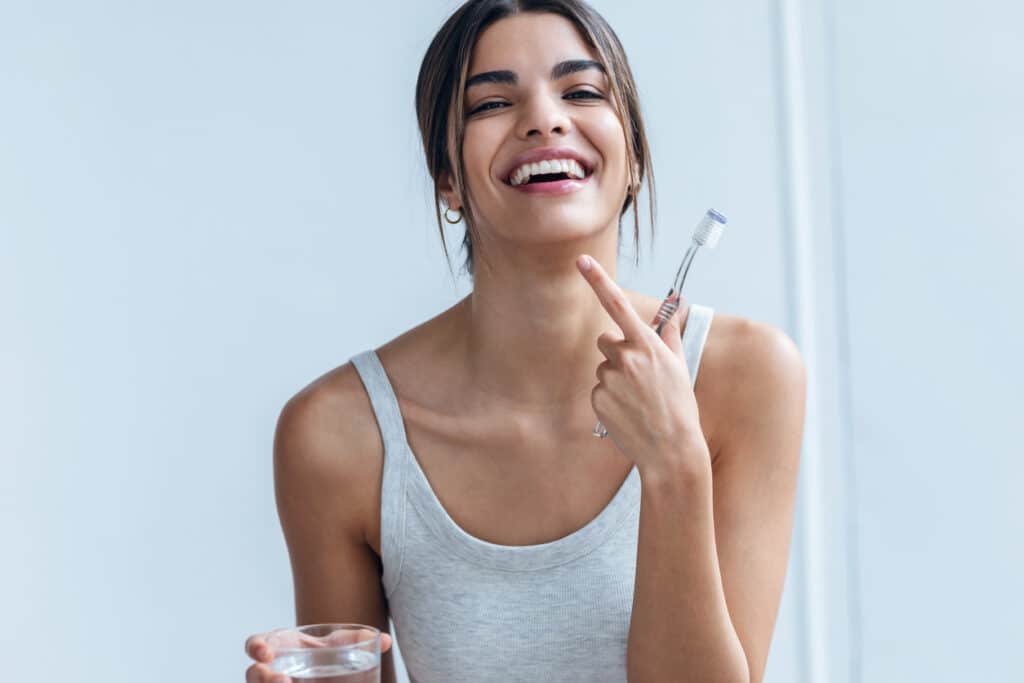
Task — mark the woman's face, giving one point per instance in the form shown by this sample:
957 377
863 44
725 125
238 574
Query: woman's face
523 110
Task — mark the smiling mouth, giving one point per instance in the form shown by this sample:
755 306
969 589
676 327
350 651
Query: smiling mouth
542 178
546 178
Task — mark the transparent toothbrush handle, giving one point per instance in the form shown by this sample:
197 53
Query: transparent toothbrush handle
665 312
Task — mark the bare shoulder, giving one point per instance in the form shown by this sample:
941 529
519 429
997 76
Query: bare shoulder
750 371
738 344
327 448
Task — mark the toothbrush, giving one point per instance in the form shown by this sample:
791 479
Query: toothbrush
706 234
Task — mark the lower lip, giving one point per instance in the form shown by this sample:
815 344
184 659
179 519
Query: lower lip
555 187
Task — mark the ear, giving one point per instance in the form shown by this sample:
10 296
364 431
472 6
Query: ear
447 190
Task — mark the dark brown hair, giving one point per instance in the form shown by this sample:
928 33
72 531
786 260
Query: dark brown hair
440 93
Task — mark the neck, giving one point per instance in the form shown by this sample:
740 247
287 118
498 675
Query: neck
530 327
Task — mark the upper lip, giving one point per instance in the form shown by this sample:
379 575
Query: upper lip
541 153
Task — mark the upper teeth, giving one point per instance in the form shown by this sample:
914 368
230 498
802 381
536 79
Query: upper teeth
568 166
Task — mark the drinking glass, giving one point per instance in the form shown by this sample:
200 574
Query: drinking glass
327 653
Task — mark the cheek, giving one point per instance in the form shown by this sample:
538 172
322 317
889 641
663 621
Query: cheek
607 134
479 146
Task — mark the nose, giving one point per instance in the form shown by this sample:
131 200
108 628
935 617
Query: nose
543 115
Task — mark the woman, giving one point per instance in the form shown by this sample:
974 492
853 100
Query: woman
450 479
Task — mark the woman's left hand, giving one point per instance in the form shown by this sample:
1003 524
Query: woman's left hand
644 395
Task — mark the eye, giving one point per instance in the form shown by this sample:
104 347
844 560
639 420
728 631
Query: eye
485 107
587 94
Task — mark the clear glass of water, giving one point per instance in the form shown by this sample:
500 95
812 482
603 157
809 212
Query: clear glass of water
328 653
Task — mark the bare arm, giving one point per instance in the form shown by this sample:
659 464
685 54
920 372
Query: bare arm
321 479
755 484
714 543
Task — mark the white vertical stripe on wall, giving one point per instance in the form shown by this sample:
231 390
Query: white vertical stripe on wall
800 250
845 588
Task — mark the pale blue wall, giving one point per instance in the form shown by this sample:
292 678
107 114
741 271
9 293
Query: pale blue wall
930 105
205 205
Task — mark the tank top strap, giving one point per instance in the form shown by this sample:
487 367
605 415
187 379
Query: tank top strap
395 478
382 396
695 334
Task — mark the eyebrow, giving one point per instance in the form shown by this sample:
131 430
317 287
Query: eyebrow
560 70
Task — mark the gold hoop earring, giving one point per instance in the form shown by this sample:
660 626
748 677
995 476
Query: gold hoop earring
448 218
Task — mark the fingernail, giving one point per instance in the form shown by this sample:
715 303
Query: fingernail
584 263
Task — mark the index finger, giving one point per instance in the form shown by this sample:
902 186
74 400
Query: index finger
613 299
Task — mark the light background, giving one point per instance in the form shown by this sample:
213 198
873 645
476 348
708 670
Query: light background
203 206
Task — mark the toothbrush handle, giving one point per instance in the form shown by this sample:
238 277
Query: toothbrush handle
665 312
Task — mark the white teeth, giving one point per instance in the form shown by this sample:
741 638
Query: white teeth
568 166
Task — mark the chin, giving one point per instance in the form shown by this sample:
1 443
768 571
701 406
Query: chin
567 220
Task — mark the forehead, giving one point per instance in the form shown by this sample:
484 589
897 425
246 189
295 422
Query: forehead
532 41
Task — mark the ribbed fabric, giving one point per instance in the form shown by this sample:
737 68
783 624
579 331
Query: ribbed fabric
469 611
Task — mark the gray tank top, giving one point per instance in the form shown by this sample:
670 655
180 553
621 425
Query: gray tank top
469 611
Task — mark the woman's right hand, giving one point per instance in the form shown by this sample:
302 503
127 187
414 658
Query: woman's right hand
257 648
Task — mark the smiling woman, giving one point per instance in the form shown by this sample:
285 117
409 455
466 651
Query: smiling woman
458 95
449 480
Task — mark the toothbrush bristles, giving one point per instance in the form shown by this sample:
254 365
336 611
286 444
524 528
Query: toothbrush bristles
710 229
